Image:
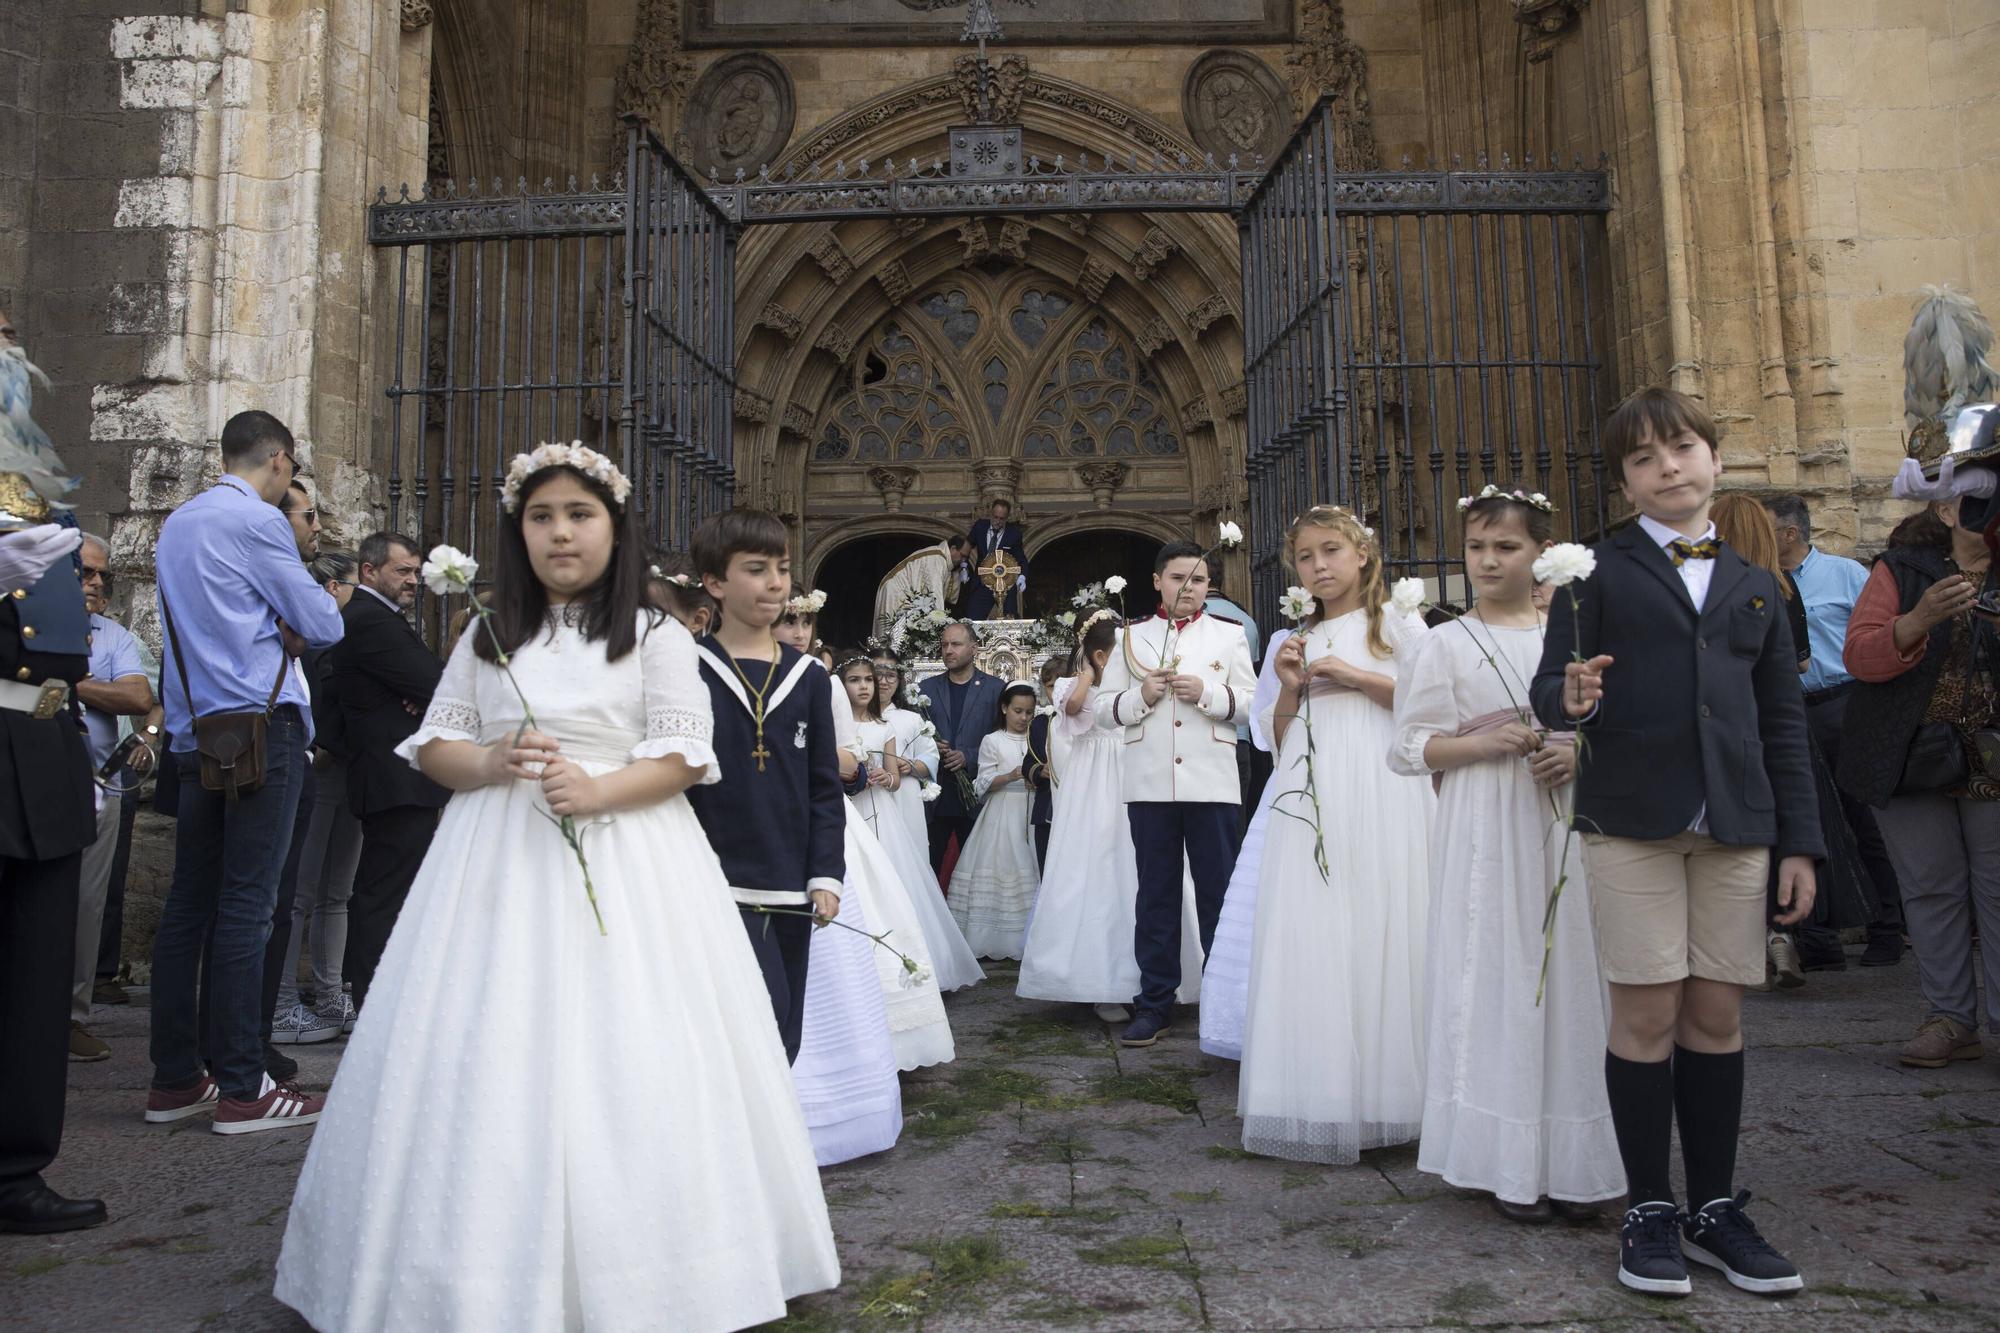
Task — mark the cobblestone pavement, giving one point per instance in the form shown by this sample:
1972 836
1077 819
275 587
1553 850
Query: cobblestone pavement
1050 1179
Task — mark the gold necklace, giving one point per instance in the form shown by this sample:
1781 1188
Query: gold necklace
760 754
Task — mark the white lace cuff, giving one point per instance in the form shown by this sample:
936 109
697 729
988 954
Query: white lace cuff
698 754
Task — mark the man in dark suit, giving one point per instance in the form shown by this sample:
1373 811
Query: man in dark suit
965 705
995 533
385 676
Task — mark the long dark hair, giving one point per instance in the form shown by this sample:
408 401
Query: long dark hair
610 609
1099 638
1007 696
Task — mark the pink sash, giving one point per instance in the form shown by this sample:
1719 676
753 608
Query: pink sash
1495 720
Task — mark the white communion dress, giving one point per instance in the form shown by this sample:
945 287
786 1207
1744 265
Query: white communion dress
1080 940
1514 1101
498 1152
910 854
1333 1036
993 884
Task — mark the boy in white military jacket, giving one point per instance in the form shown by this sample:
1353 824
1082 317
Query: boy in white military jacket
1177 685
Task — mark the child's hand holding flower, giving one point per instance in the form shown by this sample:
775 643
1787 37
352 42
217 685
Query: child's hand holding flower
523 755
571 791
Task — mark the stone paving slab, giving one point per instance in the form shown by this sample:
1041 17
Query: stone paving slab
1049 1179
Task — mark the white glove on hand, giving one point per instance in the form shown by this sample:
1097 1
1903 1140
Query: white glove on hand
27 555
1912 485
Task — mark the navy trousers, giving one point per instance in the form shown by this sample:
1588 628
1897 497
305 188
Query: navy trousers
1163 833
783 945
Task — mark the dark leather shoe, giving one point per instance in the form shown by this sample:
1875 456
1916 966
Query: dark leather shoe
1537 1212
1576 1212
1145 1029
281 1067
40 1210
1884 950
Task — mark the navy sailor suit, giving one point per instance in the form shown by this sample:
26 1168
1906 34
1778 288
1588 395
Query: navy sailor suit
778 830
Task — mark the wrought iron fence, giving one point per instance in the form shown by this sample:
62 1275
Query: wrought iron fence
593 314
1410 336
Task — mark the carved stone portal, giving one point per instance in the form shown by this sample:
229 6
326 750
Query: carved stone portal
740 114
1236 106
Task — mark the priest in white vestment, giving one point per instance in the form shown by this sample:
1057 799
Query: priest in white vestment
937 570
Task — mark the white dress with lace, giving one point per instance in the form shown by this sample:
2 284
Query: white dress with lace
898 819
1333 1036
1081 940
993 885
498 1151
1514 1100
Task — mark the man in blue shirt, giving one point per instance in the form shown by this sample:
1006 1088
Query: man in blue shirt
1253 765
116 687
237 605
1828 585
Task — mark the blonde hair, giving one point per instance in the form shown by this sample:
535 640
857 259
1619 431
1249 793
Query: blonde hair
1374 586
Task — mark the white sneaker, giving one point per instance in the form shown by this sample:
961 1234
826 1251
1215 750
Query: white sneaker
302 1026
1113 1013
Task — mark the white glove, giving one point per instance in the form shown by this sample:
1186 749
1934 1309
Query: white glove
1021 583
1911 484
27 555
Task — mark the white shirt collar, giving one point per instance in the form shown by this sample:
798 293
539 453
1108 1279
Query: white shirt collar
362 587
1664 536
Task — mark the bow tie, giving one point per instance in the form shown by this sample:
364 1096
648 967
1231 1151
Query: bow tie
1680 550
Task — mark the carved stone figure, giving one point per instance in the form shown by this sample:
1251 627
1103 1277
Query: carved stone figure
1547 22
1235 105
1325 59
740 114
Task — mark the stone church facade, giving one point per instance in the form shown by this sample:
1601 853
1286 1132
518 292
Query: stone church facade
183 188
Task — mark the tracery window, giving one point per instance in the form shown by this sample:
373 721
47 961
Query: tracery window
1099 399
899 408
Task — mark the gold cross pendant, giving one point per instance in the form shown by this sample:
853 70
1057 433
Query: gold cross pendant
760 754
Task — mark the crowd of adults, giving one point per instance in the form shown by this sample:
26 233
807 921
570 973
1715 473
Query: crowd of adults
310 864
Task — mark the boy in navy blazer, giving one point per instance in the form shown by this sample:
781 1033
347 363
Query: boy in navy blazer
1676 665
775 817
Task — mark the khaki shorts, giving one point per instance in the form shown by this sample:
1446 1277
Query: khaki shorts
1677 907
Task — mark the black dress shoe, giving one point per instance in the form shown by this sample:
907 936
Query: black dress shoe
1884 949
281 1067
1536 1213
1576 1212
40 1210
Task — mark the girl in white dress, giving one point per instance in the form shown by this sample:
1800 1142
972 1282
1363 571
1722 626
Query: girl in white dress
917 1025
497 1152
917 761
1514 1102
993 885
1079 941
1225 981
1333 1040
846 1070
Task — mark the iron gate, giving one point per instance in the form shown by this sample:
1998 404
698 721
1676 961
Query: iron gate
598 315
1410 336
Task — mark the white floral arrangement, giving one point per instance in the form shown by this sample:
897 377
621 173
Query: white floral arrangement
1407 596
806 603
576 454
918 624
1533 499
1090 594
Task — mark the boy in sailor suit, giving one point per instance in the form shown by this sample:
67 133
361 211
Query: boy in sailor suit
1177 685
774 744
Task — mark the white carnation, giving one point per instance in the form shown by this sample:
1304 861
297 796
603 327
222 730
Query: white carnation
1407 595
1296 604
449 570
1564 564
929 792
1229 535
1115 584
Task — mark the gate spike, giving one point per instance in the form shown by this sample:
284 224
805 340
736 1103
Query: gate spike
1482 160
1232 161
864 166
548 185
937 164
595 187
1208 161
405 192
572 182
1059 158
618 181
763 174
1406 161
1457 162
915 170
1506 161
739 176
1034 164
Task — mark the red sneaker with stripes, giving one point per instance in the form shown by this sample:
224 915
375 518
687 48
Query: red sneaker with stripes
166 1105
278 1106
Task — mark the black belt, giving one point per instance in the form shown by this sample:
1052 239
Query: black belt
1830 692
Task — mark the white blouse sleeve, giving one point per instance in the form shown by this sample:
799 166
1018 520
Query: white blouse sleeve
1081 723
1264 704
1426 702
993 761
914 744
679 719
1406 635
454 711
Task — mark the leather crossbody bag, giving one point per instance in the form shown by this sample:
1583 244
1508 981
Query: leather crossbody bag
1935 761
232 746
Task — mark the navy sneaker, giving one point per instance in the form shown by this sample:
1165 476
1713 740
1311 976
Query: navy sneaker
1649 1251
1146 1029
1722 1237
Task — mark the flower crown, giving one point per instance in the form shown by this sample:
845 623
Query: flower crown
574 455
1101 613
1534 500
678 580
806 603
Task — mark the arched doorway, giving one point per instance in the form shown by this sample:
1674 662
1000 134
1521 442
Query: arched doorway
850 572
1069 562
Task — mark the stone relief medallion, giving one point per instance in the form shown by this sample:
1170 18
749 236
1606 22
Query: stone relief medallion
740 114
1235 103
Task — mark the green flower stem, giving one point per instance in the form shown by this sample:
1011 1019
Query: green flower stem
1569 833
881 941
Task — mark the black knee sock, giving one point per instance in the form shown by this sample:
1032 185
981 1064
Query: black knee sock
1642 1114
1708 1096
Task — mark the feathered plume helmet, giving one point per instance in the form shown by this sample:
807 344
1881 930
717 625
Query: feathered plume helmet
1945 368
